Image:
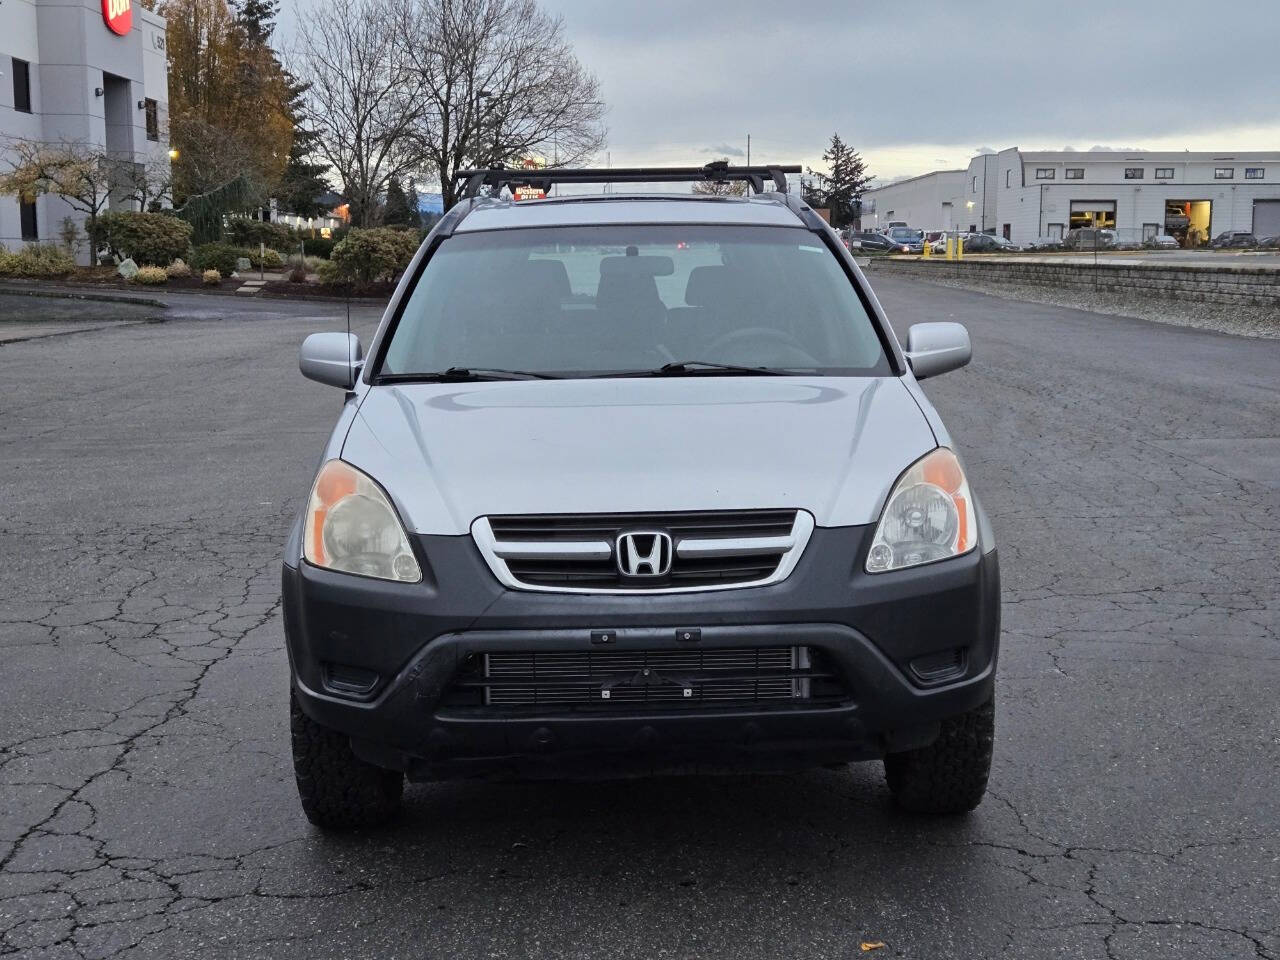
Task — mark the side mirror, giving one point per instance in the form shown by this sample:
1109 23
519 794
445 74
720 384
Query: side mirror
934 348
332 358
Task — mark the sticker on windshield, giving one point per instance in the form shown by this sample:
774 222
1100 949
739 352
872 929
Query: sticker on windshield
808 249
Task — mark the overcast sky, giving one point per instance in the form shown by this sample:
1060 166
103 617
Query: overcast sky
922 84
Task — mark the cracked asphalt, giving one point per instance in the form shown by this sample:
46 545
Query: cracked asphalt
148 474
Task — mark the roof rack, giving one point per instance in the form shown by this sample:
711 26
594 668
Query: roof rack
717 171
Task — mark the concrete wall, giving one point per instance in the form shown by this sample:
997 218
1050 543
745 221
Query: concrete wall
1204 284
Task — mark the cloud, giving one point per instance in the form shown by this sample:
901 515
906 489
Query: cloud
981 151
675 80
1099 148
725 150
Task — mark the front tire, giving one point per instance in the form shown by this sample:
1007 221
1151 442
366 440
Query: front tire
950 775
339 791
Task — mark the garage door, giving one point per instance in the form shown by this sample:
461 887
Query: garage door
1266 218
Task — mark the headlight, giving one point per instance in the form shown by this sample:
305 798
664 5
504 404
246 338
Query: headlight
929 516
352 527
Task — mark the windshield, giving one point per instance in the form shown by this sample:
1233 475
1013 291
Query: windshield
595 301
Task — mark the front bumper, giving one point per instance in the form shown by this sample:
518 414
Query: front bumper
413 639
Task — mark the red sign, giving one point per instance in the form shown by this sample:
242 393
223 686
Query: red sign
528 193
118 16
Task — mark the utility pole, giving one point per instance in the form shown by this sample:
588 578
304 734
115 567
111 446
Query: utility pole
748 149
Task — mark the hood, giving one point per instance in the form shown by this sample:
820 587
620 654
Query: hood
449 453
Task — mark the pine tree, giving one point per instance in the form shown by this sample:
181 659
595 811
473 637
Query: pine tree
847 179
303 179
396 212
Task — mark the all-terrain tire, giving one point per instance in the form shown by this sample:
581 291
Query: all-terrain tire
949 775
339 791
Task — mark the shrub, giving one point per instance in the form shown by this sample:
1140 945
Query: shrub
329 273
367 256
178 269
217 256
36 261
298 275
244 232
318 246
146 238
211 278
270 260
151 276
310 264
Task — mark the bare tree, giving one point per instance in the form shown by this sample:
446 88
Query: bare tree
721 188
363 97
80 173
149 184
499 83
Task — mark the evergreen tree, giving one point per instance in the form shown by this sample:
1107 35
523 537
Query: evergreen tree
844 183
303 179
397 212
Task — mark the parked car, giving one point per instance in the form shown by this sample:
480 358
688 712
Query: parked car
1231 239
1162 241
870 240
913 240
1269 243
989 243
551 536
1046 243
1089 238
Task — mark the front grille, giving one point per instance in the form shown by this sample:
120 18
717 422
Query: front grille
630 679
762 541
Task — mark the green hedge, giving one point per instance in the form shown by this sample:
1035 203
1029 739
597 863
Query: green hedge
367 256
318 246
218 256
149 239
244 232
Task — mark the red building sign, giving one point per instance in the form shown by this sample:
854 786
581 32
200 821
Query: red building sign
118 16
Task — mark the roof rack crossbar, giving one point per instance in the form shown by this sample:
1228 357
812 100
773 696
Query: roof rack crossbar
715 172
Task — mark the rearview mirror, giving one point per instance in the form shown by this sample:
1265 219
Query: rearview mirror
332 358
934 348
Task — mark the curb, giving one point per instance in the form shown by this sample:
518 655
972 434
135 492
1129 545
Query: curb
77 295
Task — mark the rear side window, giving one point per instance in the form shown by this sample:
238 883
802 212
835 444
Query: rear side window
592 301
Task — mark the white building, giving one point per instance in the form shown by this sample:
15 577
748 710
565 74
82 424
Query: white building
90 72
1025 195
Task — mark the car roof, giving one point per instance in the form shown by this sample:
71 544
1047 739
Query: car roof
588 210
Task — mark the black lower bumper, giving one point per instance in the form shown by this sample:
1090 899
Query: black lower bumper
412 640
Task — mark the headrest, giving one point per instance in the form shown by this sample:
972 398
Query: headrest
637 267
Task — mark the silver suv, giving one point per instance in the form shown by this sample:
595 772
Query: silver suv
637 483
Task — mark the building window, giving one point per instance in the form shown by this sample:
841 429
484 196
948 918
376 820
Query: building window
27 214
1045 173
1007 175
973 187
1255 173
21 85
1224 173
153 119
1134 173
1075 173
1164 173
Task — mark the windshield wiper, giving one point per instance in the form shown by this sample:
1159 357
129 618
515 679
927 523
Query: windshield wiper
685 367
464 375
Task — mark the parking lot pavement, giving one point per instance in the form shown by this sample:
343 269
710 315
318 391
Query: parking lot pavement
148 474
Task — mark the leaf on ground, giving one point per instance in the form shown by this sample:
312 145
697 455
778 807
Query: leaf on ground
869 945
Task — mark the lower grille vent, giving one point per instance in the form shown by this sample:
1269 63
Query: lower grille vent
627 679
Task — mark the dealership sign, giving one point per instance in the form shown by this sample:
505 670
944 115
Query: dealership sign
118 15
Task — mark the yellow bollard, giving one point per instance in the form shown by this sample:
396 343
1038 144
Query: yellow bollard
951 248
925 248
959 248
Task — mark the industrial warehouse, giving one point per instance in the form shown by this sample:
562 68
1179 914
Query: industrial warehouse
1024 196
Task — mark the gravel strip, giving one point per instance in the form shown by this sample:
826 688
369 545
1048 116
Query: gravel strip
1240 321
